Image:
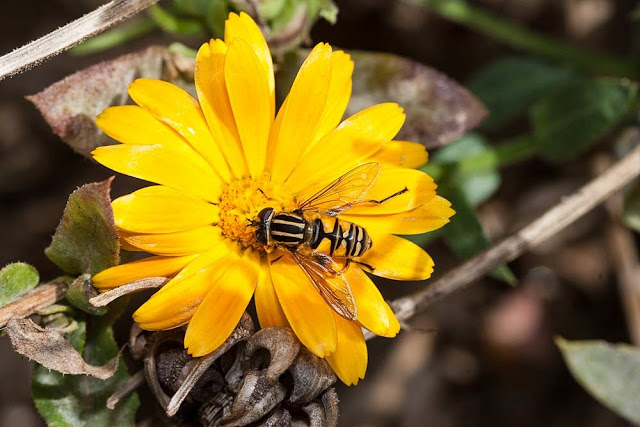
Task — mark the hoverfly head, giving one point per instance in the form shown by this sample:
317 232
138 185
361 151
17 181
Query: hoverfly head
263 222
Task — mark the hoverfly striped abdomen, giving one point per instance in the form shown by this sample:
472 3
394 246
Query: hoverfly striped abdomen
343 239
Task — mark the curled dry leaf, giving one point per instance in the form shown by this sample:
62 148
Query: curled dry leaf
139 285
52 351
71 105
438 109
86 240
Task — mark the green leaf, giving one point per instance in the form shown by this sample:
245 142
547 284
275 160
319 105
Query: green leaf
610 373
80 401
16 279
326 9
508 86
478 180
80 292
465 235
86 240
570 120
173 24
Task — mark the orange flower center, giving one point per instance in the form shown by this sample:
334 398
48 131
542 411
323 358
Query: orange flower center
242 200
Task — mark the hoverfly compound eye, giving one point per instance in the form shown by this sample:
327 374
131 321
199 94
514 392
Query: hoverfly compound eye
265 213
264 225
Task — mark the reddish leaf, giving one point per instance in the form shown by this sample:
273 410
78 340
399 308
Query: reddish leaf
71 105
438 109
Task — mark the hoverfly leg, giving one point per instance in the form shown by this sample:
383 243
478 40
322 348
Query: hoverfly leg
364 264
346 266
276 260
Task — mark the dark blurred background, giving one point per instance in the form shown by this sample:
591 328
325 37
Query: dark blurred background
482 357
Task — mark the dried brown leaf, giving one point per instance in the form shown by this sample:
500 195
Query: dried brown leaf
52 351
139 285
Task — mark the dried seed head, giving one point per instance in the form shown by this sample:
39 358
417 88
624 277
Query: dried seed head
266 378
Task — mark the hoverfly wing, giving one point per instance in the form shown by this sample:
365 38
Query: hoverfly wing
331 284
344 192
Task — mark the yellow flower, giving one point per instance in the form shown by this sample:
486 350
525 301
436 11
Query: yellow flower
221 160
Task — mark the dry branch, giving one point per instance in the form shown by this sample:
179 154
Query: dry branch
624 256
41 297
64 38
555 219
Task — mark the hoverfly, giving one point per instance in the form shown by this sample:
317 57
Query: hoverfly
316 239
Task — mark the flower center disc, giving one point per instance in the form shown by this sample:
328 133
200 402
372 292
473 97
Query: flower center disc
241 201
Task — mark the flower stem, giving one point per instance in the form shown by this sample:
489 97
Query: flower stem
518 37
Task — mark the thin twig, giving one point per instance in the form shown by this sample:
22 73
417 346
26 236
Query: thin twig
554 220
66 37
41 297
134 381
624 256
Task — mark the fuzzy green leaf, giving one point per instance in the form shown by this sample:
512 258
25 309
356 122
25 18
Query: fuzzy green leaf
80 292
16 279
573 118
508 86
610 373
80 401
86 240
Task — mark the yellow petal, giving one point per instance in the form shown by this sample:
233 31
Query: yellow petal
130 124
344 148
420 190
188 242
159 209
248 91
396 258
308 314
174 304
373 311
214 100
401 154
155 266
244 28
267 305
180 169
305 107
220 311
349 361
175 107
339 93
422 219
